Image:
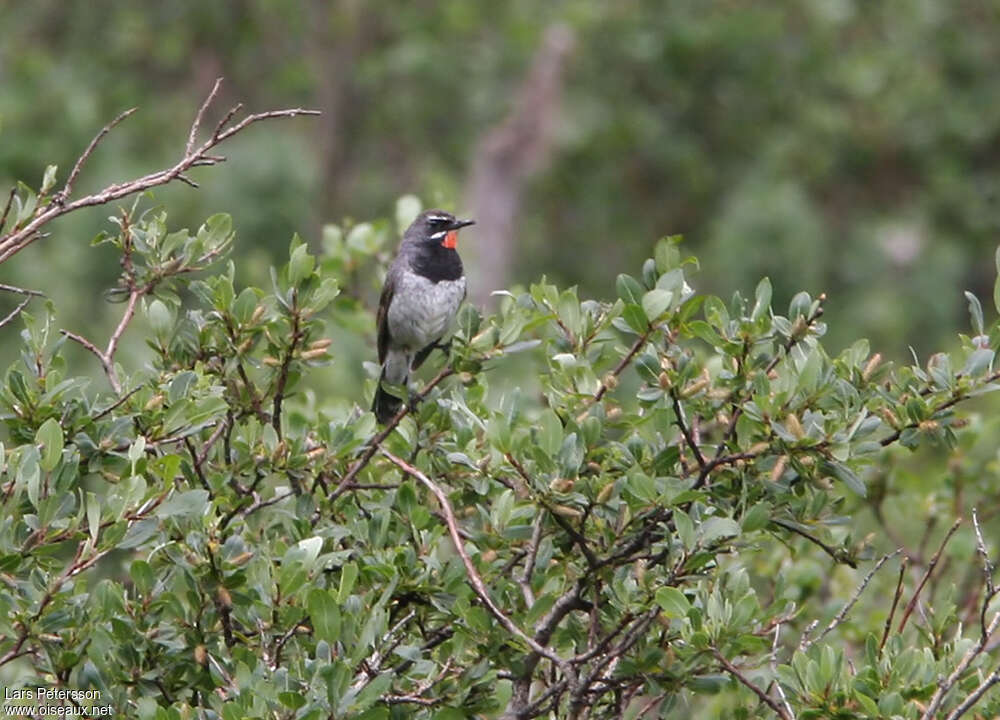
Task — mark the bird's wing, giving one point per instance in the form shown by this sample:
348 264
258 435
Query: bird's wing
382 316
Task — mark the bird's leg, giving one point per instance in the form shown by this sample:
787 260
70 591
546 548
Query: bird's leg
413 397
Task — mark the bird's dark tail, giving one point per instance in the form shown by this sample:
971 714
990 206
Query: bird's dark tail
385 405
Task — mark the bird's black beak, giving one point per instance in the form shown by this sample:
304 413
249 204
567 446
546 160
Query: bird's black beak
459 224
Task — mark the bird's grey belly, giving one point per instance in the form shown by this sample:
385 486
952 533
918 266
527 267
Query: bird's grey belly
421 310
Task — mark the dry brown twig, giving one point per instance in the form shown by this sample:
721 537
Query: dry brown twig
475 581
20 236
927 574
842 615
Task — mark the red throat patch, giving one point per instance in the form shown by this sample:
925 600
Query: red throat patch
451 240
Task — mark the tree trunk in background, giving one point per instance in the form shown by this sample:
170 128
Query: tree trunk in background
334 45
506 157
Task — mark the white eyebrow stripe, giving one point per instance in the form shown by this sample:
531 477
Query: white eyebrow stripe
438 218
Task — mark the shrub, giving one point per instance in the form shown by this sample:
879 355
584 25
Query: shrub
643 516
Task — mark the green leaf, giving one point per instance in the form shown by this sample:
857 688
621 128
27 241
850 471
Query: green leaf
975 312
550 432
756 517
348 575
762 303
372 692
979 362
300 264
93 516
49 179
629 289
160 317
685 528
190 503
673 602
656 302
50 437
325 615
142 575
718 527
136 450
139 533
636 318
843 473
291 699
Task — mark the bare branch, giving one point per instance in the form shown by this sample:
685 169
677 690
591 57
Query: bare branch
833 552
475 581
682 424
6 207
529 564
64 194
19 238
945 685
373 444
840 616
745 681
20 291
193 135
226 118
624 363
15 312
188 181
286 363
895 601
774 670
88 345
992 679
987 563
927 574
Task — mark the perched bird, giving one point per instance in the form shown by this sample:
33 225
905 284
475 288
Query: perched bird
423 289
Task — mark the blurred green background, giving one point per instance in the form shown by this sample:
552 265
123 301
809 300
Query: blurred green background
835 145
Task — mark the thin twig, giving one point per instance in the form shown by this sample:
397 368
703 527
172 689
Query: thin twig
20 291
373 443
927 574
286 364
840 616
991 590
6 207
682 424
745 681
20 237
992 679
193 134
64 194
945 685
895 601
620 367
475 581
774 670
529 564
836 553
15 312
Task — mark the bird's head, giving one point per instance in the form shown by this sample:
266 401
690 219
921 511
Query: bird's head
436 227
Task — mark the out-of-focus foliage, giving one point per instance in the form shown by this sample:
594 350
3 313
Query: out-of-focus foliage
838 145
672 525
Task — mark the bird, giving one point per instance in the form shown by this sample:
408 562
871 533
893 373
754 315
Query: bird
423 289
